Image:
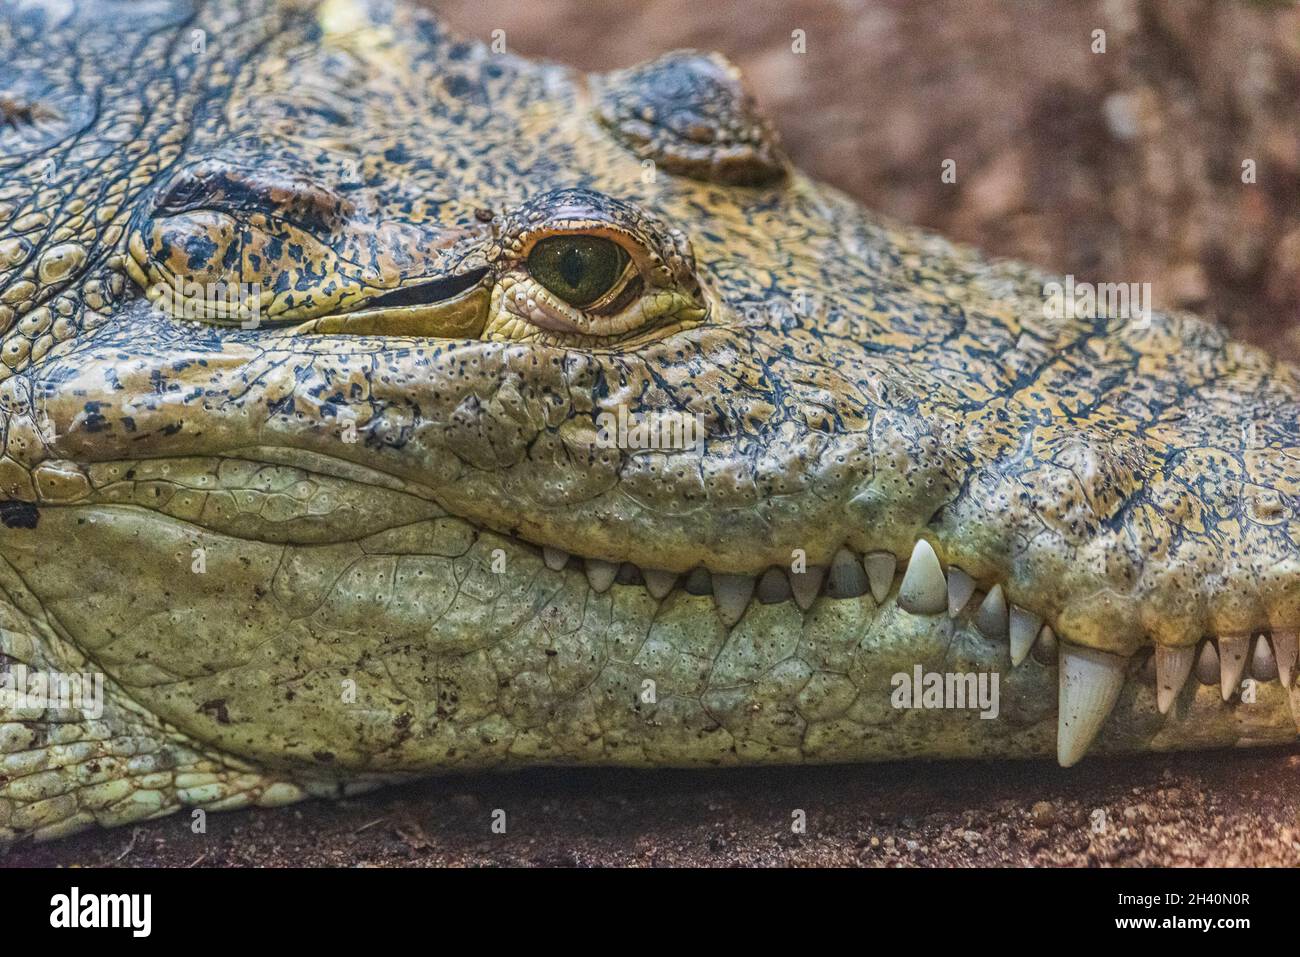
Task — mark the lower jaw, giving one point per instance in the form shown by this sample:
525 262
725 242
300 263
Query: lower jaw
460 665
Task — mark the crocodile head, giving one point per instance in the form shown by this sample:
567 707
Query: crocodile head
378 403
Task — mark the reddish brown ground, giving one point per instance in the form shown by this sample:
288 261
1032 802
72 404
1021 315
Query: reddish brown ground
1123 166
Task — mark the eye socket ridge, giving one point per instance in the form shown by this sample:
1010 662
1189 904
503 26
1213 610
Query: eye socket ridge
225 188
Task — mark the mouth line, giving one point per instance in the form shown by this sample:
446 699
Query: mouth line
454 307
428 293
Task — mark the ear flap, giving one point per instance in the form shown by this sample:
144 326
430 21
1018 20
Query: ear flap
688 112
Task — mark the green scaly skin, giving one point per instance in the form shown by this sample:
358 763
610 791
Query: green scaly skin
308 554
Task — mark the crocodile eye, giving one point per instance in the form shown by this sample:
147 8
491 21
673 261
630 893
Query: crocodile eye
579 269
575 267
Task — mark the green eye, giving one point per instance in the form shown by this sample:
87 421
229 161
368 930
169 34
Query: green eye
578 269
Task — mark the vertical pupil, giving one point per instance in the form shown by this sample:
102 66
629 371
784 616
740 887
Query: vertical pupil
572 265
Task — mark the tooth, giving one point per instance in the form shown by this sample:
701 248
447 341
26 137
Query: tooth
1091 681
1173 666
846 579
924 590
601 574
1263 666
960 587
1232 662
658 583
1024 629
732 593
991 619
1045 648
880 568
555 558
773 587
806 585
1284 649
1207 664
699 582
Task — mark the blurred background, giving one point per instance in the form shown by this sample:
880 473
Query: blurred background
1121 166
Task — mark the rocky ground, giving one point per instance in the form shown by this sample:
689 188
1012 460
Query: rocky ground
1197 810
1119 166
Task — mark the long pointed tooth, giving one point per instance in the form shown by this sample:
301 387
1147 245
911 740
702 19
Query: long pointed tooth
924 590
601 574
960 587
846 578
555 558
1207 664
732 593
1285 647
991 619
1232 662
1173 667
880 568
806 585
658 583
1024 629
1090 684
1263 666
1045 648
774 587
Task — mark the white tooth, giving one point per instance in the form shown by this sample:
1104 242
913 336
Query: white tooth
658 583
880 568
732 593
1045 648
773 587
1263 666
1024 629
991 619
924 590
1090 684
960 587
1207 664
555 558
1284 650
847 578
806 585
601 574
1232 662
1173 666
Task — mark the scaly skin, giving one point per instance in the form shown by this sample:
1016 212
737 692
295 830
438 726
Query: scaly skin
308 557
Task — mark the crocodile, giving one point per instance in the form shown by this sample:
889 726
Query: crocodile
379 403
